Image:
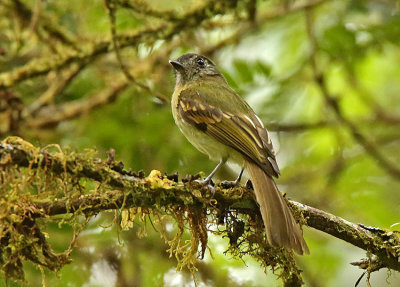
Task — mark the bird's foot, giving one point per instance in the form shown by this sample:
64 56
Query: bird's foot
230 183
207 184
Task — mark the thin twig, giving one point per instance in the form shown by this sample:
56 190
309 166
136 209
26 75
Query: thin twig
56 87
111 6
111 12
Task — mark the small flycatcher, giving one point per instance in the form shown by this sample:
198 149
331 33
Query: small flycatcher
220 124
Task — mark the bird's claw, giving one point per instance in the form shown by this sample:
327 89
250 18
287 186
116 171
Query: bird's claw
204 181
208 184
230 183
233 183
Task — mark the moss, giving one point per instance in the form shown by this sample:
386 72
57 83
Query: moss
21 235
59 181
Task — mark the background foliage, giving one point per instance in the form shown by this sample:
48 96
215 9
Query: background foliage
322 75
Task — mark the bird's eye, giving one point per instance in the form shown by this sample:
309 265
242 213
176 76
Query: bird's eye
200 62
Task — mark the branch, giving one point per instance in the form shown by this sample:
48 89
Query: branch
164 31
52 115
111 14
298 127
156 191
142 8
374 240
48 24
286 9
338 227
111 7
248 27
61 81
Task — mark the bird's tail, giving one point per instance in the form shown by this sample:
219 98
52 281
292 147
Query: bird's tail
281 228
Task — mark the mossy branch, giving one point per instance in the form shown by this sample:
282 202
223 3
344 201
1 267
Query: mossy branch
73 109
174 24
90 51
46 22
157 192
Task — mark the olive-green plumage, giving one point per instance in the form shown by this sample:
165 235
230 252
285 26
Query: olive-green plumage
219 123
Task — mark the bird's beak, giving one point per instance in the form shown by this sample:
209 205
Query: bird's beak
177 66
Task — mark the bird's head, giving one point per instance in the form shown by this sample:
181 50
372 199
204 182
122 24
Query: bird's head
194 68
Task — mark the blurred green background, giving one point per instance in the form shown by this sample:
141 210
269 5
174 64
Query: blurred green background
263 49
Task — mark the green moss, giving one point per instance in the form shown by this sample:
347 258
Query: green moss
54 176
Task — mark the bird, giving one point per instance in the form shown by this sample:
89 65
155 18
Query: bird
221 124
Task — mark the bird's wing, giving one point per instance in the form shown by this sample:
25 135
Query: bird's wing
243 132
